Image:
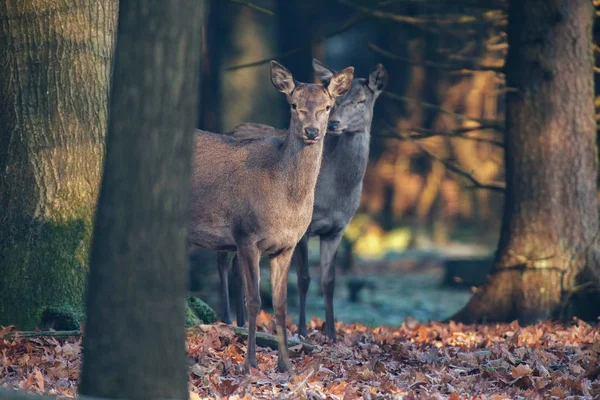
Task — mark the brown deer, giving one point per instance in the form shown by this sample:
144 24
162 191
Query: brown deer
256 196
339 185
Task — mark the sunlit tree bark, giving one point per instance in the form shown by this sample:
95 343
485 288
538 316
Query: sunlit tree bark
54 79
549 241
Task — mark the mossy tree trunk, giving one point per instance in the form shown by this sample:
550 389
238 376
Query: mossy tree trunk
549 241
134 343
55 60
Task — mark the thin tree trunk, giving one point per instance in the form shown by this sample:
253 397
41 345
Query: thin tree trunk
134 343
549 239
54 79
246 94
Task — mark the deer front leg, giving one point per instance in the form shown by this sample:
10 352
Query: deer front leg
239 291
249 258
223 263
329 246
280 266
303 273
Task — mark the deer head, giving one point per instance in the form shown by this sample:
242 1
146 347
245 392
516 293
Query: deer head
353 111
310 103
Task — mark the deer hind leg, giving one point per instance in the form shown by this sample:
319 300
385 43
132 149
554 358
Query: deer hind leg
280 266
249 257
239 291
223 263
329 246
303 273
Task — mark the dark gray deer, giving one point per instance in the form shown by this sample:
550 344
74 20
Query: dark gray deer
339 185
256 196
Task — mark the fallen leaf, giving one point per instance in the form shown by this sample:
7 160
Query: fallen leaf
521 370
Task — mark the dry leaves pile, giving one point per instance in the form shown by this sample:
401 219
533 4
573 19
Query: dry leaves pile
413 361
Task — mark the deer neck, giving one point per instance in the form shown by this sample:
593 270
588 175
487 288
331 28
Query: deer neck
300 164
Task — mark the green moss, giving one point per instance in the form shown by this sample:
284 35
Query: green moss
191 319
62 318
202 311
43 264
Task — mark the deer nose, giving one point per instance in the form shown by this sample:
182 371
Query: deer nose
333 125
311 133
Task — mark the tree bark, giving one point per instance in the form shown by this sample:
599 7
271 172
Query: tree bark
54 79
549 241
134 343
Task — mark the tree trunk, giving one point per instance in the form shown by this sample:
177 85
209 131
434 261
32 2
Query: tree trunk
549 240
134 343
54 80
247 94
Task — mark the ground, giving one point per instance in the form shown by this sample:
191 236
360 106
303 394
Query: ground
406 284
386 349
433 360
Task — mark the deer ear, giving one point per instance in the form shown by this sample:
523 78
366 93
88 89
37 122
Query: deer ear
322 73
341 83
282 78
378 79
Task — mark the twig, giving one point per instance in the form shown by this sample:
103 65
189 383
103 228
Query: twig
262 339
301 384
433 64
495 186
25 334
14 395
420 133
349 24
254 7
431 106
419 21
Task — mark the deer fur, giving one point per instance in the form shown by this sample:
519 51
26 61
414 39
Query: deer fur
256 196
339 185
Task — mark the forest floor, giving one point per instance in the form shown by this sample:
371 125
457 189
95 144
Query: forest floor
386 349
433 360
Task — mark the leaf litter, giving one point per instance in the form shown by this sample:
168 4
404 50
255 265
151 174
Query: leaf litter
424 361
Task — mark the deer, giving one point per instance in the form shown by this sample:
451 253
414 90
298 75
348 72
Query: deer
338 189
256 197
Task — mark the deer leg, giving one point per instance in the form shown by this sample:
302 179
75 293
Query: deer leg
223 263
249 258
239 291
329 246
280 266
303 273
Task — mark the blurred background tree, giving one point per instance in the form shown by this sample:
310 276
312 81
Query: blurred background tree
434 189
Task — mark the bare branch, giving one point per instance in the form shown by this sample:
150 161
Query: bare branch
25 334
457 133
481 4
428 21
422 133
495 186
432 64
349 24
254 7
496 124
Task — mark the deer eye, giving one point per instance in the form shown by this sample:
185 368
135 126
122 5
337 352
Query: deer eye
294 106
327 108
361 101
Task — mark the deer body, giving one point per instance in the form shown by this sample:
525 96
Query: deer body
339 185
247 190
256 197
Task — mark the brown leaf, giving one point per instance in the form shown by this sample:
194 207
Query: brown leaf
39 379
521 370
557 392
